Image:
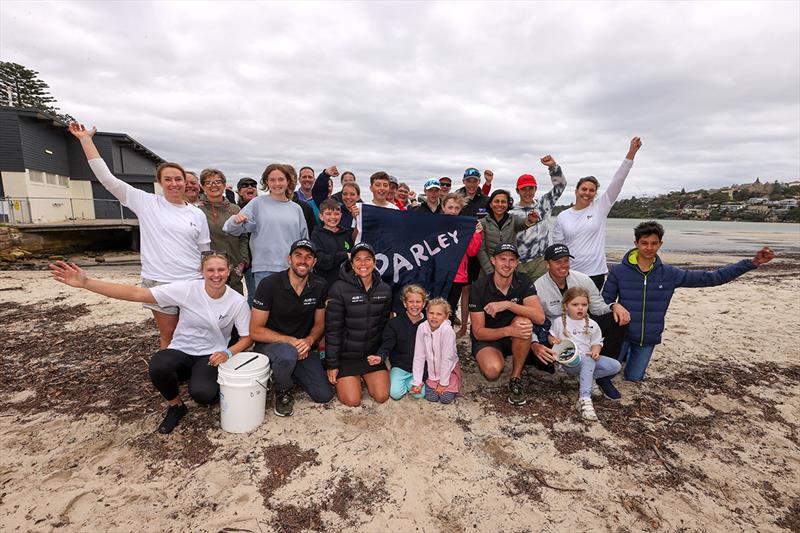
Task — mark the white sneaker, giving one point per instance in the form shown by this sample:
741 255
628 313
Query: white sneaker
596 392
587 409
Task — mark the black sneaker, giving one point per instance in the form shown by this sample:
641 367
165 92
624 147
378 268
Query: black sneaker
608 389
516 392
172 417
284 403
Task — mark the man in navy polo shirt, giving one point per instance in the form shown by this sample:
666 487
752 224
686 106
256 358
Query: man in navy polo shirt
503 309
288 320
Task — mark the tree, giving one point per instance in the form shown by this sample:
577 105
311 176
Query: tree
21 87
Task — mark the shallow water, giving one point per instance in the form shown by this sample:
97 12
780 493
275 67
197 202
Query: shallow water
707 236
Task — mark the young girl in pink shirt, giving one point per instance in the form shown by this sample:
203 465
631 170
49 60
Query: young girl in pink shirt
436 347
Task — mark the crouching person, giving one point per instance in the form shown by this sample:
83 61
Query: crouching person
288 320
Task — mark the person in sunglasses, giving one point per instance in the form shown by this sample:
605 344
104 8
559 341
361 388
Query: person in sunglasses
246 189
218 209
172 232
209 309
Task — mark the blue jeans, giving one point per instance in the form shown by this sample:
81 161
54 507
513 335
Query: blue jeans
637 357
590 370
250 285
400 384
287 370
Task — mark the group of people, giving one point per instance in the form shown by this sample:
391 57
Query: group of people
318 309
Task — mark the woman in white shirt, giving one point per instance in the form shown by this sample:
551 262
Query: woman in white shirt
173 232
583 227
208 311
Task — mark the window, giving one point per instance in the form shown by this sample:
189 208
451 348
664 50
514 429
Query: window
36 176
63 181
52 179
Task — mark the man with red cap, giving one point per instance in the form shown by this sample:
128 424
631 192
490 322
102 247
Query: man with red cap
532 242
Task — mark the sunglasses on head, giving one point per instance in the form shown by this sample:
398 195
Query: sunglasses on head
213 253
472 173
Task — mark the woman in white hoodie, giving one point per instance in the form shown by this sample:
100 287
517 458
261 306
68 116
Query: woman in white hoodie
435 348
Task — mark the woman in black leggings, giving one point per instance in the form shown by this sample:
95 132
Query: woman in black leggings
208 310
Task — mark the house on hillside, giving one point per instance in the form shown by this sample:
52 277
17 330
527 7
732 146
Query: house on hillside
44 176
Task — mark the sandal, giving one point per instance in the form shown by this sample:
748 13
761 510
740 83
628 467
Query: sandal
587 409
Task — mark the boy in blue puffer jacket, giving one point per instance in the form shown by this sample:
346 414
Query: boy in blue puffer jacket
644 286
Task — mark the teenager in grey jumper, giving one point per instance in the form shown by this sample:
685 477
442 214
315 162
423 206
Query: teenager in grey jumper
273 222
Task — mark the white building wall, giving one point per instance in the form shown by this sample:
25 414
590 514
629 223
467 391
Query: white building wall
40 197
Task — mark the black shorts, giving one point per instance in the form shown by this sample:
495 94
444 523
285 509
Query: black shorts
473 269
504 346
357 367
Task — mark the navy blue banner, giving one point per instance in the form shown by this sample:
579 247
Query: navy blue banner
418 248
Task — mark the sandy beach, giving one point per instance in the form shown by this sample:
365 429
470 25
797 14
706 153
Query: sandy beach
709 442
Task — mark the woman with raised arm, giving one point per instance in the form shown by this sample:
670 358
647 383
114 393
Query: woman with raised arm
173 233
583 227
208 311
273 222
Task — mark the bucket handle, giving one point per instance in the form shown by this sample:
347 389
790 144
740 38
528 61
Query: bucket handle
264 386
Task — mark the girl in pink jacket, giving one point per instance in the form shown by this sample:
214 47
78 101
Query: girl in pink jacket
435 347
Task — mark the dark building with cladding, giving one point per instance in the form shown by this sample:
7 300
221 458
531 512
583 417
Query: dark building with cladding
45 176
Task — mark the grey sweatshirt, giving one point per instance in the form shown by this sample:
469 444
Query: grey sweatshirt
273 227
550 296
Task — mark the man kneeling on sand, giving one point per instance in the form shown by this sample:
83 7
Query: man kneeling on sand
288 320
503 309
612 318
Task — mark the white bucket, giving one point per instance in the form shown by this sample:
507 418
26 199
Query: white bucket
243 391
567 354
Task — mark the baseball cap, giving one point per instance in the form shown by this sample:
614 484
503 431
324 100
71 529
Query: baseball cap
432 184
526 180
246 182
362 246
304 243
393 181
472 173
556 251
506 247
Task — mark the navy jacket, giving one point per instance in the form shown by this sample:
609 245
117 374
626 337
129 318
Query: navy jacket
399 338
332 251
647 294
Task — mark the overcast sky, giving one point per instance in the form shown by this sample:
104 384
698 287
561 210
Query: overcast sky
425 90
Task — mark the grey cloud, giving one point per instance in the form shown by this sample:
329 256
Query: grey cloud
426 90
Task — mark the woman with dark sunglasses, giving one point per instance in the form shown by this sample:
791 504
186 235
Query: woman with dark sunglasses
208 311
173 233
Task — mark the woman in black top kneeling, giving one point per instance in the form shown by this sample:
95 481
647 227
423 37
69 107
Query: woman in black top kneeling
359 303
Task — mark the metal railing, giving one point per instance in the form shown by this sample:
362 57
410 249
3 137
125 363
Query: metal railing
41 210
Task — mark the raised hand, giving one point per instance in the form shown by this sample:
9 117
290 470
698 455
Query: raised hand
332 171
79 131
69 274
488 175
548 161
636 143
764 255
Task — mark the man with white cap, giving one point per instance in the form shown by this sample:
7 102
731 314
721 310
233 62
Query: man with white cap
533 241
431 203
